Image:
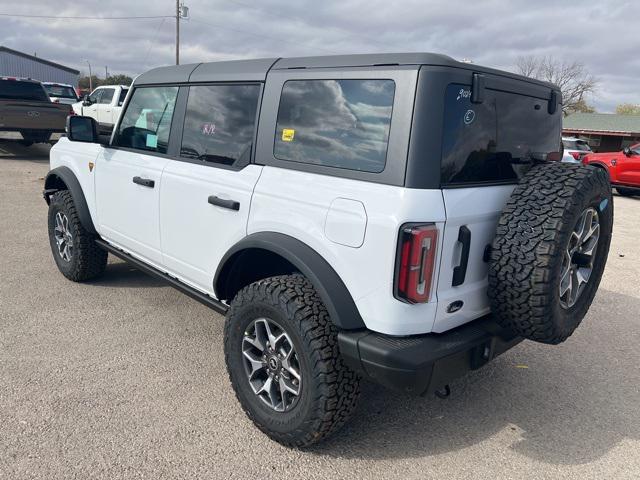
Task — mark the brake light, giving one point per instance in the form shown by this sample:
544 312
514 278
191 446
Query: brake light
416 259
576 155
71 112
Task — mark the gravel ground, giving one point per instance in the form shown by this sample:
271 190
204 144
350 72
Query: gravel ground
124 377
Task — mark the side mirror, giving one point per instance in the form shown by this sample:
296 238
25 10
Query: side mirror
627 151
86 101
82 129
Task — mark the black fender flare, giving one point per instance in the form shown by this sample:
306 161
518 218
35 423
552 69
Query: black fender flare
68 178
330 287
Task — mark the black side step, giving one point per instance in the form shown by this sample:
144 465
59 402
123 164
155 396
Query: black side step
175 283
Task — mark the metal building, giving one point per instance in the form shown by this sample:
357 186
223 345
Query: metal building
18 64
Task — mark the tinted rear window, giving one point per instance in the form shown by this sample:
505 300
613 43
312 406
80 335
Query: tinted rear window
60 91
494 141
337 123
15 89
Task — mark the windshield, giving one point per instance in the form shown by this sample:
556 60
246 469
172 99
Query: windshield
60 91
576 145
19 90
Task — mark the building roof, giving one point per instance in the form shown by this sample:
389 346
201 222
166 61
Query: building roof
606 123
39 60
256 70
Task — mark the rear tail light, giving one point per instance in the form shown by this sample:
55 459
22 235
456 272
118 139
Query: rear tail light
415 264
576 155
71 112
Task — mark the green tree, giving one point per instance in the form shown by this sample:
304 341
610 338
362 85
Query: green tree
120 79
628 109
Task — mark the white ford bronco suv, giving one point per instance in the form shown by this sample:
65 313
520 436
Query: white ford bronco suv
402 218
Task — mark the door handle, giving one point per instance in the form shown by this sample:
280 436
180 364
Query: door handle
224 203
145 182
459 272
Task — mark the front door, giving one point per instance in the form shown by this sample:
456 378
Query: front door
91 110
628 167
205 195
105 108
128 174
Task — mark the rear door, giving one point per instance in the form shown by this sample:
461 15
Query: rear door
206 192
486 148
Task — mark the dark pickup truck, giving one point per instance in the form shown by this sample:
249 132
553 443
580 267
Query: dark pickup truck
25 107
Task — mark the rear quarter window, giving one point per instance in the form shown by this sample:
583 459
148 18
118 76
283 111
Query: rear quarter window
336 123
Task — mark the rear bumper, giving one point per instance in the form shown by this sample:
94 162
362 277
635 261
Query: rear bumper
423 363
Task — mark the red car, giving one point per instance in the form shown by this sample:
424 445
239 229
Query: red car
623 168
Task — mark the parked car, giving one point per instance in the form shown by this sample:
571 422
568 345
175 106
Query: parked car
574 149
623 168
25 107
394 217
103 105
61 93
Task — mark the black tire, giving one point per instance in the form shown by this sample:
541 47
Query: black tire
35 137
329 389
87 260
531 245
627 192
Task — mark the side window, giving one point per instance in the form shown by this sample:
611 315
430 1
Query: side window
107 95
337 123
146 122
219 123
123 95
95 96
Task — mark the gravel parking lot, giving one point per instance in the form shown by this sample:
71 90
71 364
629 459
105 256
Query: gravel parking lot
124 377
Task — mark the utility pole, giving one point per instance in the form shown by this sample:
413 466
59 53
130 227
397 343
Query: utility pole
106 72
90 81
181 12
177 32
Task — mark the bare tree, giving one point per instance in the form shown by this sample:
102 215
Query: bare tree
572 78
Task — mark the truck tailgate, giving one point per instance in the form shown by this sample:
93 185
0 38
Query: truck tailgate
32 115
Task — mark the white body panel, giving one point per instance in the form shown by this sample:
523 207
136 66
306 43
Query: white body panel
128 213
478 209
195 234
297 203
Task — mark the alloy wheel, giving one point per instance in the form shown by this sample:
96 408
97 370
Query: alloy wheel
271 364
63 237
579 257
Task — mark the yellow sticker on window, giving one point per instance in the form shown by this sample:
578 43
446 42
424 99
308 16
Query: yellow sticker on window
287 134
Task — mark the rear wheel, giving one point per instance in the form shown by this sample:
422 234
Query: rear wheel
550 250
74 250
284 364
627 192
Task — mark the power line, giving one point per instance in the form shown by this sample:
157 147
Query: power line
65 17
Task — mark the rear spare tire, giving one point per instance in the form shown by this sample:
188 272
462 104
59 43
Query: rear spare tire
550 250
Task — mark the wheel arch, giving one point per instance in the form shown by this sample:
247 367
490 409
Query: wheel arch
63 178
266 254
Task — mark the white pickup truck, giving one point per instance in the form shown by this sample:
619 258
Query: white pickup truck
104 105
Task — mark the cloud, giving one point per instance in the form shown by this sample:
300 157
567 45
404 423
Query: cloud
599 33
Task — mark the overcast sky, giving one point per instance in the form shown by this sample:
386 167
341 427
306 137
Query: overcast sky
603 34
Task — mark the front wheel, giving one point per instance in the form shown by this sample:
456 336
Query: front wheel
284 364
74 249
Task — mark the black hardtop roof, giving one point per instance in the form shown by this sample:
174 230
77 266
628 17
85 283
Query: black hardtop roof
256 70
